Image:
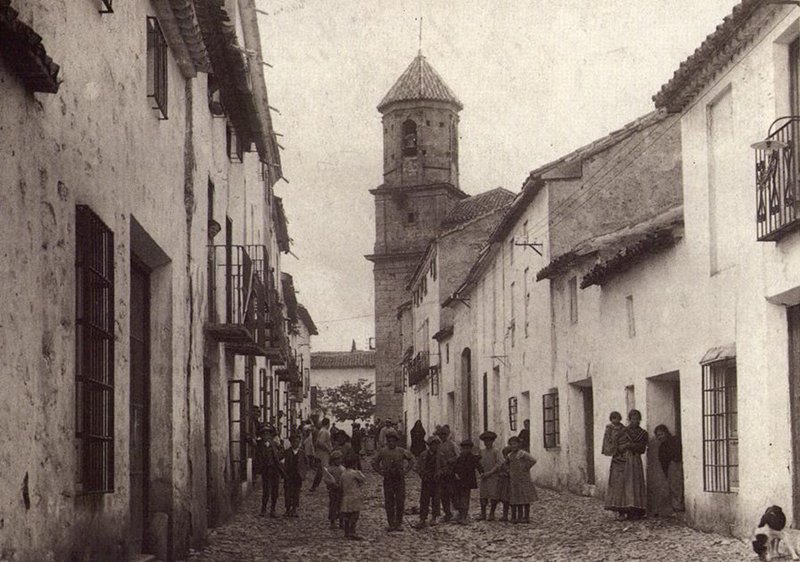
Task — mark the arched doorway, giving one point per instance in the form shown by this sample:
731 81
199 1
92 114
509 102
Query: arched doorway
466 393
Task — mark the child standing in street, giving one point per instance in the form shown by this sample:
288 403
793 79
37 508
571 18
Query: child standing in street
393 462
294 464
352 502
491 459
333 481
464 468
522 491
504 484
268 465
431 465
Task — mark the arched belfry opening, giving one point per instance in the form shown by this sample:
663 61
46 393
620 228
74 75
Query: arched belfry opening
409 138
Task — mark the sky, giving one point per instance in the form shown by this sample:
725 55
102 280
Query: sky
538 79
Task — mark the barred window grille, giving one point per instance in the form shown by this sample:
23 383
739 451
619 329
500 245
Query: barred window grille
552 437
512 413
435 380
94 337
157 66
720 427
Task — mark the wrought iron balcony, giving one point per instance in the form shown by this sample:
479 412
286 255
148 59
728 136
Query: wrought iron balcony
241 322
279 350
776 183
419 368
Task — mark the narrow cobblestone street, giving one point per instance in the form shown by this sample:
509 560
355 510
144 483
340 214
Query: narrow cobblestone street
564 527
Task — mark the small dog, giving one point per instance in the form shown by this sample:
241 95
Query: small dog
771 532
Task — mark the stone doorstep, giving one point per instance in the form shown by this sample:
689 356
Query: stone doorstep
143 558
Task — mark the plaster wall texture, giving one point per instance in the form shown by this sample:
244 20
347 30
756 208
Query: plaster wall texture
98 142
744 302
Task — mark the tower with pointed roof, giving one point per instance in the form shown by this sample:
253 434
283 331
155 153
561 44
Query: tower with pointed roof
420 186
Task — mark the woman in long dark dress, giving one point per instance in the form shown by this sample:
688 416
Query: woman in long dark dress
417 439
626 487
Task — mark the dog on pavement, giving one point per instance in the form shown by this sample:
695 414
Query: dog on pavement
771 532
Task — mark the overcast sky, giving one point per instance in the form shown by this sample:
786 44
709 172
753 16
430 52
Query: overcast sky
538 78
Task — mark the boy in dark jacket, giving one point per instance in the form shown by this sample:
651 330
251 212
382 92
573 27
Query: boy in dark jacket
268 466
431 466
464 480
294 465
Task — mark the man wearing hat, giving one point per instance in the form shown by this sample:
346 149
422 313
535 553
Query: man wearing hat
489 485
464 480
268 465
450 452
431 466
393 462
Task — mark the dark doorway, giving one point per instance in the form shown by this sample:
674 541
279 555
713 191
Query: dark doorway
793 316
466 392
588 431
139 402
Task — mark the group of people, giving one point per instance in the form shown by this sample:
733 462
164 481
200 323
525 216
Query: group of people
627 493
448 473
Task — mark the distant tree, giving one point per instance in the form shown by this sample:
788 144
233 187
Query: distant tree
349 401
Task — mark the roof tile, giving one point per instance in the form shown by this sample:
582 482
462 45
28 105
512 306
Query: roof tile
419 82
343 360
477 206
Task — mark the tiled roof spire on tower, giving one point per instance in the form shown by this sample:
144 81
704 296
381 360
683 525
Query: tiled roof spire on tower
419 82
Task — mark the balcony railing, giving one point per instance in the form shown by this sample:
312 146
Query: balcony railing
241 321
776 185
419 368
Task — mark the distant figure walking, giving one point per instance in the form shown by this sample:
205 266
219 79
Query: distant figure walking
626 493
417 438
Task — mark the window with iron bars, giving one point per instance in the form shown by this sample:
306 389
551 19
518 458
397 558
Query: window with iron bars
94 339
551 434
512 413
156 66
720 427
435 380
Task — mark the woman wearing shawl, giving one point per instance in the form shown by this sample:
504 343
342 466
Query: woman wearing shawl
417 439
626 489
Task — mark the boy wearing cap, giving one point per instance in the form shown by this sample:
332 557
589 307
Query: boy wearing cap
430 467
268 466
450 452
464 468
295 465
333 481
491 459
393 462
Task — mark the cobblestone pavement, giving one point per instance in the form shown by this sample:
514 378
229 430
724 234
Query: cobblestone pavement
563 527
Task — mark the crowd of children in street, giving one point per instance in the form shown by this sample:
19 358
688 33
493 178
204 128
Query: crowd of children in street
448 474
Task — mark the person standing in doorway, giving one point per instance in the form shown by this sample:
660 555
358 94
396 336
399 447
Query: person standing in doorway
393 462
417 438
670 457
525 436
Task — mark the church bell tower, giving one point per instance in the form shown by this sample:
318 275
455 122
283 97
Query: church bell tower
420 186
